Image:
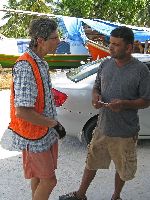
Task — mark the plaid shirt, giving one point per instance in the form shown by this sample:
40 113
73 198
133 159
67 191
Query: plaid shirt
25 95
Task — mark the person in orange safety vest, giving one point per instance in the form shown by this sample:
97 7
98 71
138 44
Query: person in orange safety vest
32 110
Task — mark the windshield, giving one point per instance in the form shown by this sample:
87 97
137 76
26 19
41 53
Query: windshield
84 71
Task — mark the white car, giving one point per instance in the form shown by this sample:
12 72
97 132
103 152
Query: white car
73 99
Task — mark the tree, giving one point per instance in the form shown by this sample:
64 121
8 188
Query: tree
77 8
17 24
124 11
143 15
134 12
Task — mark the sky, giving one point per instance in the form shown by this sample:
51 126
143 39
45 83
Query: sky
2 2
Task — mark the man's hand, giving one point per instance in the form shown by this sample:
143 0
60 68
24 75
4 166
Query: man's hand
52 123
116 105
96 101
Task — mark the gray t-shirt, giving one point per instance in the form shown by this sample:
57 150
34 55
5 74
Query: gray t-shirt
130 82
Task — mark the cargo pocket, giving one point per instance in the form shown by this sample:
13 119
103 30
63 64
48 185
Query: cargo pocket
130 164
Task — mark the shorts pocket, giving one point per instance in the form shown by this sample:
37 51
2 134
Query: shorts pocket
130 164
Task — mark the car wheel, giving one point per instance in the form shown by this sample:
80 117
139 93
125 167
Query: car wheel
88 130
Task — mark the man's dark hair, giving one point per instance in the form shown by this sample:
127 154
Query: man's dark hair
125 33
41 27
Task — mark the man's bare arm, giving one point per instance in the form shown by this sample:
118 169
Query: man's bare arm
30 115
118 105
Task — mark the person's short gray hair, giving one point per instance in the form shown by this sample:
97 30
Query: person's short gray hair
41 27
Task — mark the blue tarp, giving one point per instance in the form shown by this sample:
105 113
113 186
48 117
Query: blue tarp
73 26
105 27
73 33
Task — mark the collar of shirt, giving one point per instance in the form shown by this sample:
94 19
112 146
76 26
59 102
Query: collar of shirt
35 56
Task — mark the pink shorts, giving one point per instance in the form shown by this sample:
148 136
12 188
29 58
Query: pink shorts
40 165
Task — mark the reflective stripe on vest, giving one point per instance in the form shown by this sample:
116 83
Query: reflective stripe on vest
21 127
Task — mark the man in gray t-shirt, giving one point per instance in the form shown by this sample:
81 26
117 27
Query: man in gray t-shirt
128 85
122 86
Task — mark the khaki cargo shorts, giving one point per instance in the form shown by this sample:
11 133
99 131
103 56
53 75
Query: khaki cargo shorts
122 151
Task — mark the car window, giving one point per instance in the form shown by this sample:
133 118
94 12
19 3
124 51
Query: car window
84 71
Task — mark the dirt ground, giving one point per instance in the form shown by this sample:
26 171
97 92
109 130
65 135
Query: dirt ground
5 78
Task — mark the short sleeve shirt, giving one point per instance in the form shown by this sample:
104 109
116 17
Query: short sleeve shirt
130 82
25 95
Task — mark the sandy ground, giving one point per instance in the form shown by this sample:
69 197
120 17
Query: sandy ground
72 155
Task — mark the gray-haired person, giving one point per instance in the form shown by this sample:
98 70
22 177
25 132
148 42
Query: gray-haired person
122 86
33 113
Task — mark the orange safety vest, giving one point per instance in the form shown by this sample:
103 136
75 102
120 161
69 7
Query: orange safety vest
21 127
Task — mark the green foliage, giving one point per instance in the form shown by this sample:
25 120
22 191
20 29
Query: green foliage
18 23
124 11
77 8
134 12
143 15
